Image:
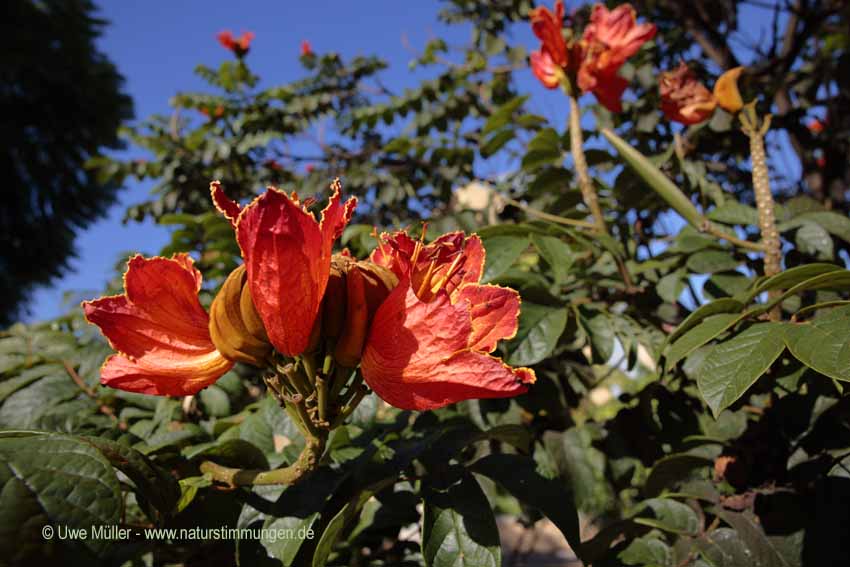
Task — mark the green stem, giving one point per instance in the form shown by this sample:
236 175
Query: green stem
546 216
322 398
307 462
585 183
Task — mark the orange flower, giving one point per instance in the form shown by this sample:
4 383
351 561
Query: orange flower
430 340
159 329
287 257
547 27
306 48
683 98
239 46
815 126
609 40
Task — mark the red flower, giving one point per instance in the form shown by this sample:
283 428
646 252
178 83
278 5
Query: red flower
815 126
545 69
610 39
238 46
683 98
159 329
430 340
547 27
309 168
287 257
306 48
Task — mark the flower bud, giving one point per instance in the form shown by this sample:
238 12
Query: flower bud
235 326
355 291
726 91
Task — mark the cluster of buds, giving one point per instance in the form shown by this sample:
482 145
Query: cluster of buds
412 321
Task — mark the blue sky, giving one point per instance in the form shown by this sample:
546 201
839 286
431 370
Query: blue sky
156 49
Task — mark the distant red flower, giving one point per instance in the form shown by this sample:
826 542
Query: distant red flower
239 46
273 165
310 168
683 98
611 37
815 126
306 48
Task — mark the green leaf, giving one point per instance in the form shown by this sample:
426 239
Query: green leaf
733 212
710 328
792 277
672 470
648 551
834 223
153 484
557 254
710 261
813 240
458 527
518 475
502 115
543 149
762 551
540 327
823 343
215 401
724 548
342 519
725 305
735 364
670 516
656 179
496 142
502 252
53 480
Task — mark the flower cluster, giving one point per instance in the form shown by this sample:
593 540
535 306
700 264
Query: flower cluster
589 63
413 317
684 99
238 45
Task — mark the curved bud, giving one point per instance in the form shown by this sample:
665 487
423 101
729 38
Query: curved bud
235 326
726 90
367 285
333 306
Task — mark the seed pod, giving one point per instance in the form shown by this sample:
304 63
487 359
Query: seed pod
367 285
235 326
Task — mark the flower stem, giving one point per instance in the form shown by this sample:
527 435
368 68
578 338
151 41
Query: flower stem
585 183
307 462
764 198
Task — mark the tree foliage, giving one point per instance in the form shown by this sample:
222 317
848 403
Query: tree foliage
62 104
692 415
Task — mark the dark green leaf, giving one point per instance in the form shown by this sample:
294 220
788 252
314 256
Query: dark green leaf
735 364
458 527
540 327
519 476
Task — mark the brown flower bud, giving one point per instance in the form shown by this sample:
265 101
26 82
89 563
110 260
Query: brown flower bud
235 326
355 291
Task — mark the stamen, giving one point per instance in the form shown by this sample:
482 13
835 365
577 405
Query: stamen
426 279
458 262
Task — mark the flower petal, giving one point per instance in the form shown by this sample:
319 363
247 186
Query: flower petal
494 310
159 328
163 375
228 207
417 355
287 255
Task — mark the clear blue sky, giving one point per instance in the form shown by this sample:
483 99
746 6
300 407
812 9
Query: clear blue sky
156 46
